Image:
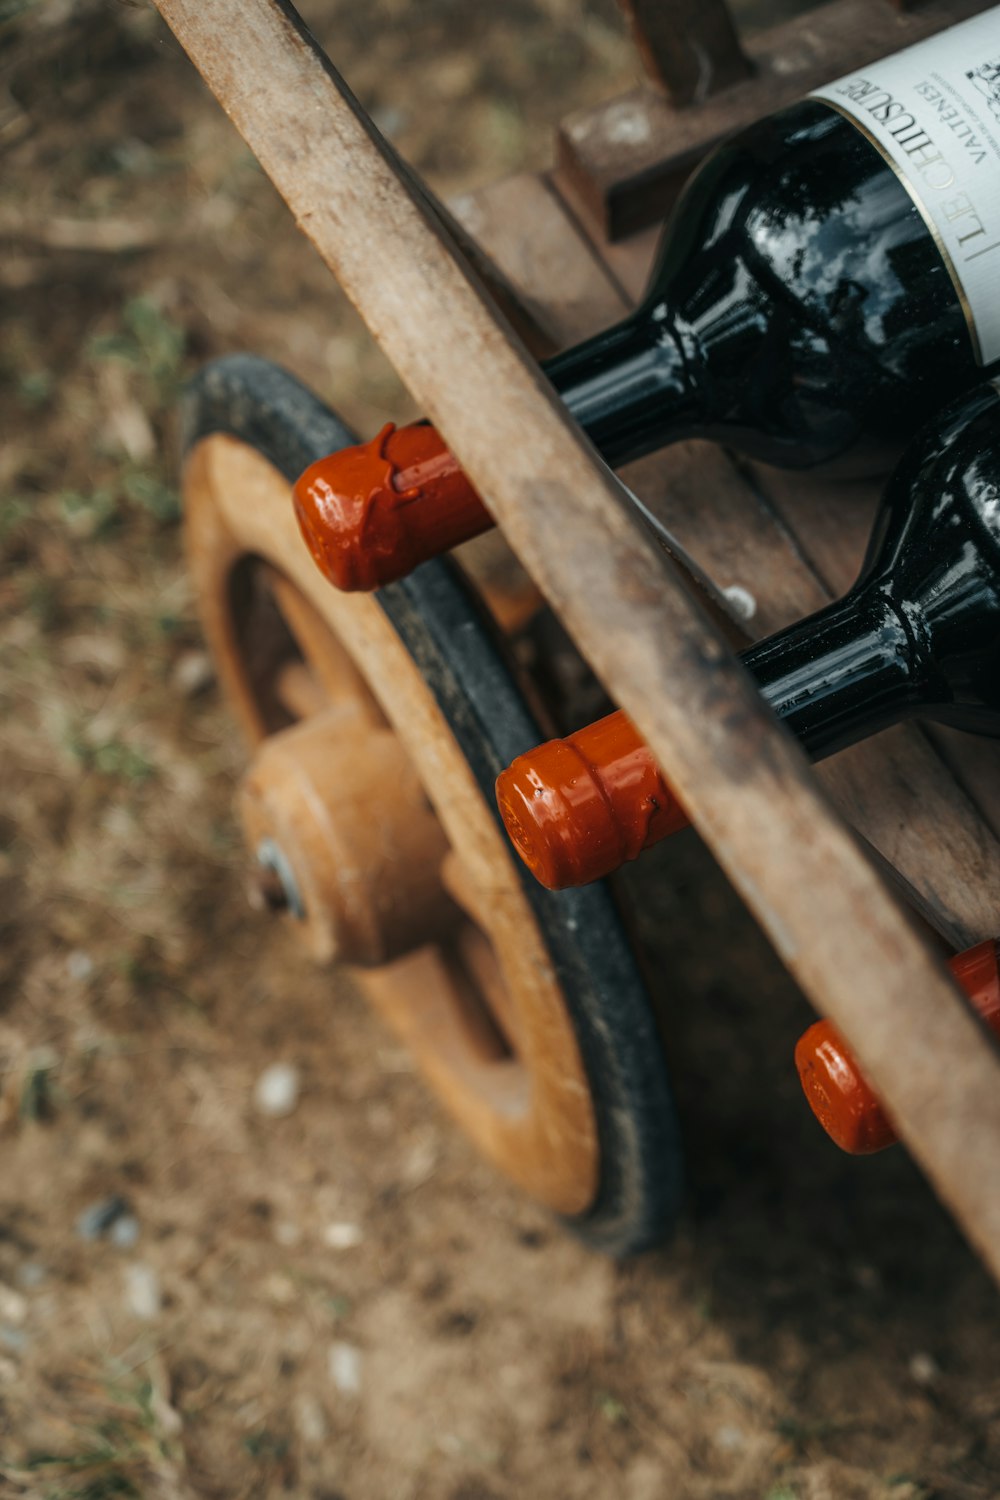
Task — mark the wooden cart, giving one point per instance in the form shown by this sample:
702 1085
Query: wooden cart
526 1009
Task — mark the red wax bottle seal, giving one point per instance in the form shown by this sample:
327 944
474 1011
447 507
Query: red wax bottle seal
370 514
577 808
840 1096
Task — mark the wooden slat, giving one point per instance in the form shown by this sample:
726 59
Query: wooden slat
523 227
745 782
624 161
689 47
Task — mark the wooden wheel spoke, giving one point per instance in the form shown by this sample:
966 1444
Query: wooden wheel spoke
335 674
479 961
466 892
473 944
298 691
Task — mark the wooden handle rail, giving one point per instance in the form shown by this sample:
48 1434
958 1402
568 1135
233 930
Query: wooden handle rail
745 783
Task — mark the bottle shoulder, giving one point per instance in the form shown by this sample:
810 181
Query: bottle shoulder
798 261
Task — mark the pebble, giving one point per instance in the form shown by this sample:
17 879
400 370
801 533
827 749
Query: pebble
79 965
193 673
280 1288
342 1236
101 1218
310 1420
98 1218
125 1232
142 1290
742 602
31 1274
731 1439
8 1371
13 1307
276 1091
344 1363
420 1160
12 1339
288 1234
924 1368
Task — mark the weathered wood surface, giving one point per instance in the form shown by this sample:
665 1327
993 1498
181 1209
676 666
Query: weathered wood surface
747 785
690 48
624 161
794 547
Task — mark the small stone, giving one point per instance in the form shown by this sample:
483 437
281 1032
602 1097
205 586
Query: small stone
8 1371
13 1307
12 1339
125 1232
280 1288
276 1091
288 1234
420 1160
344 1363
142 1290
343 1236
310 1421
730 1439
742 602
193 673
79 965
924 1368
96 1221
31 1274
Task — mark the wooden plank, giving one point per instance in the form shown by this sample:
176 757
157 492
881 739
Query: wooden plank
624 162
690 48
530 323
745 782
522 226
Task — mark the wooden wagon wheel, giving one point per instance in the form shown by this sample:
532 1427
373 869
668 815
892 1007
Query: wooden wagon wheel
379 725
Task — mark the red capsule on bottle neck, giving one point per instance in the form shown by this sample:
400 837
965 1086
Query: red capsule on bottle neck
577 808
372 513
840 1096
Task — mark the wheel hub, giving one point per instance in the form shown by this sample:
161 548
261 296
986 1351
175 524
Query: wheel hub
344 841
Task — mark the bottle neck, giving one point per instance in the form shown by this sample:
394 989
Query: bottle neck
840 675
629 387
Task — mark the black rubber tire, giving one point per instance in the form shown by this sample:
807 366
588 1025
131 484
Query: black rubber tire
439 619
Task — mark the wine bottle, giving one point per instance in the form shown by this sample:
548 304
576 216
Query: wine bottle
917 635
828 279
840 1096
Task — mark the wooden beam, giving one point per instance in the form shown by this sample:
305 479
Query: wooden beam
689 47
745 782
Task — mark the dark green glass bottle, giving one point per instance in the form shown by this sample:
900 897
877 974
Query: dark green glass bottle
918 636
919 633
823 286
800 311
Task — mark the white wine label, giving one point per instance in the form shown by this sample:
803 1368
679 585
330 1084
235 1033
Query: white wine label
934 113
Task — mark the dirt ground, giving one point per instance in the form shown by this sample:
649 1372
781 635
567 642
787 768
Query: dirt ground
344 1303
